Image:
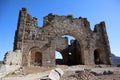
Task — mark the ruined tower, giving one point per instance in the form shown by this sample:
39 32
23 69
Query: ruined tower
38 45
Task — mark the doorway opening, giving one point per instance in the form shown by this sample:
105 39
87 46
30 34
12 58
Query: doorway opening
98 56
38 59
35 57
58 58
72 54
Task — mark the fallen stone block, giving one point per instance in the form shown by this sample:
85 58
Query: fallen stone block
56 74
104 72
87 70
79 71
7 69
107 72
97 73
83 75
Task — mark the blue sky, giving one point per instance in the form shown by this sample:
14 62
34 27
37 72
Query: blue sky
94 10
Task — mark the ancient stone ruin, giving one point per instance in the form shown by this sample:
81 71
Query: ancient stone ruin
38 44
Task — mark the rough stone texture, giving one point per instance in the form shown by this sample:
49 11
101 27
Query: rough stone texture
56 74
38 45
85 76
81 76
13 58
7 69
68 71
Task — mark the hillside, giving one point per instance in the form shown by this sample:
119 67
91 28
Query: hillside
115 60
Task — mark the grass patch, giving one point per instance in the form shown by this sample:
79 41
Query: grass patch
1 63
31 70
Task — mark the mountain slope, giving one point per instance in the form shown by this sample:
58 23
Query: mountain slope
115 60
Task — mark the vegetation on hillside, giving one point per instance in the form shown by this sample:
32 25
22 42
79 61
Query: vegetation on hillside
115 60
1 62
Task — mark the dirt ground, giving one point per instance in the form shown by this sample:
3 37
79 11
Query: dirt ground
37 73
70 73
109 77
71 76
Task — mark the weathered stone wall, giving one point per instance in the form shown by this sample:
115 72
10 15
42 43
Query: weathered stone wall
13 58
48 38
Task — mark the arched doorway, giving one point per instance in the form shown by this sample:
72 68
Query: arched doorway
72 55
38 59
58 58
35 57
98 59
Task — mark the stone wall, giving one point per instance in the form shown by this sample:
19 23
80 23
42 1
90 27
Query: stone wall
13 58
47 39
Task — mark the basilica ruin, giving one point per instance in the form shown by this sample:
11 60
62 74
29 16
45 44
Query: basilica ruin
38 44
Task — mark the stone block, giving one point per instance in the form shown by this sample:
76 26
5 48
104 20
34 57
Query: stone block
56 74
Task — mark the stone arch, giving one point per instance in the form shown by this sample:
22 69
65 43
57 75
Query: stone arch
77 56
73 30
58 58
29 35
80 56
98 56
35 57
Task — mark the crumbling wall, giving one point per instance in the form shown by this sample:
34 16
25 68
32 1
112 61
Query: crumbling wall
13 58
29 35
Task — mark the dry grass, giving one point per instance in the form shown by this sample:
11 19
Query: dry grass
1 63
32 70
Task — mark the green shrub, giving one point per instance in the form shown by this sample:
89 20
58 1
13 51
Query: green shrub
1 62
70 16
